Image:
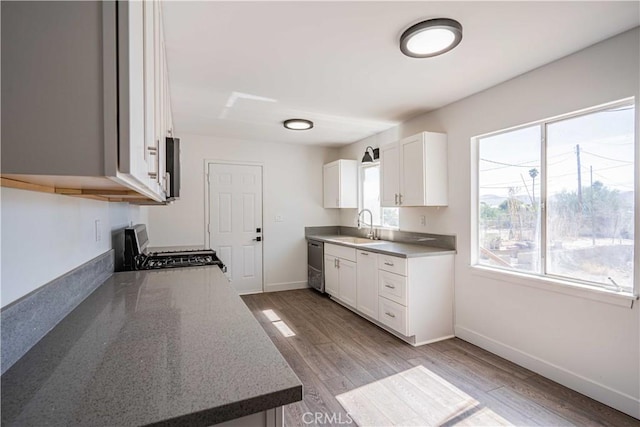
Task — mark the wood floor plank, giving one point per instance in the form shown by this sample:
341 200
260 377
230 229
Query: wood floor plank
539 415
598 412
339 385
484 355
344 361
349 367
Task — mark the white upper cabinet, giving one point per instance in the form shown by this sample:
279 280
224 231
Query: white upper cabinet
134 95
414 171
389 175
84 86
340 184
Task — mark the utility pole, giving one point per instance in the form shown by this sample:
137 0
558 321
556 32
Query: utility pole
579 178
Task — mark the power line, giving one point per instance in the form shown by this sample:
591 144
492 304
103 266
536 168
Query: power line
606 158
523 164
518 165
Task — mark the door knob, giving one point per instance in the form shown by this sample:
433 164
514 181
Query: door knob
258 239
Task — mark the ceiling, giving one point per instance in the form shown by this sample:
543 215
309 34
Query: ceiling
238 69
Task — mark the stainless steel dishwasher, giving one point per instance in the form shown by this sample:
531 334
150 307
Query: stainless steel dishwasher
315 264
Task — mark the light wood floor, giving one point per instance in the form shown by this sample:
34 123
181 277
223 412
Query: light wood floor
352 370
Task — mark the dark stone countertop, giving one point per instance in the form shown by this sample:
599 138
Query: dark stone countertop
172 346
386 247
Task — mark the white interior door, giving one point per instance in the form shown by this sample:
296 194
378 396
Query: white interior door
235 222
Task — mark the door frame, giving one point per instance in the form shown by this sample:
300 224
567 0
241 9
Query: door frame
207 192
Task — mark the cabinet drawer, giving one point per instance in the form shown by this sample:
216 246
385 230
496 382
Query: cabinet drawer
392 286
393 315
340 251
392 264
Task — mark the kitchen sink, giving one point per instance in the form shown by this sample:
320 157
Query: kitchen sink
355 240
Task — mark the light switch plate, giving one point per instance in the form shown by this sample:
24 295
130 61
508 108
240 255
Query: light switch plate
279 218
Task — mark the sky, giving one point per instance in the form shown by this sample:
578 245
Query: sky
606 148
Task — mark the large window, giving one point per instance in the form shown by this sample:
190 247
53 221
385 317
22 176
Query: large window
557 198
370 198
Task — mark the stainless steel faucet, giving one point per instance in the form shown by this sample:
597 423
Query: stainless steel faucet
371 234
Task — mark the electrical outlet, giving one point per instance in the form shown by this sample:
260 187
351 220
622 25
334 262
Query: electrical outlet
279 218
423 220
98 231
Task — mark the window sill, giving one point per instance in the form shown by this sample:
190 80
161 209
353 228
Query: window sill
622 299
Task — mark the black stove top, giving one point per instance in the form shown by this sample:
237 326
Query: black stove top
136 256
180 259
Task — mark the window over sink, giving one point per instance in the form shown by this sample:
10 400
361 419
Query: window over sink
370 197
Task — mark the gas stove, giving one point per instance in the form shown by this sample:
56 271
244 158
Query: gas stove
180 259
136 256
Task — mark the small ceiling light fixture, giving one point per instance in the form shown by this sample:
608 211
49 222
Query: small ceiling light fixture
367 157
298 124
431 38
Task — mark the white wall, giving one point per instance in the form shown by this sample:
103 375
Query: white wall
292 187
591 346
46 235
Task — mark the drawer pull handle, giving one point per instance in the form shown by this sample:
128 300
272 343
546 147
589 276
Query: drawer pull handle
390 314
364 253
389 286
390 264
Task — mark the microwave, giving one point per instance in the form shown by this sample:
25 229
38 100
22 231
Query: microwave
173 168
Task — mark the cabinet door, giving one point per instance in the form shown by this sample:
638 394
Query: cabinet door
331 181
331 279
347 275
389 175
412 171
151 141
133 151
367 288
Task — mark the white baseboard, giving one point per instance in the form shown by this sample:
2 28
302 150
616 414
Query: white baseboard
286 286
600 392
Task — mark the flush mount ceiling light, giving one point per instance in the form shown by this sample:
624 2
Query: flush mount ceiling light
298 124
431 38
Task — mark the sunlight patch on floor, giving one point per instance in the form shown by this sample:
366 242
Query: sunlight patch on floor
416 397
275 320
271 315
284 329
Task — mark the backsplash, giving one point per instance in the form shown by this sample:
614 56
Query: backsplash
27 320
444 241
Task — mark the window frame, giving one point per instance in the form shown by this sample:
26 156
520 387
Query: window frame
361 168
542 278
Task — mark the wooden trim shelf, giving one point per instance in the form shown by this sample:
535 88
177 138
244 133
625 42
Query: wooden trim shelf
20 185
99 188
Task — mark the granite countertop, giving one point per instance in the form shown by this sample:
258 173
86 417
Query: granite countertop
399 249
172 346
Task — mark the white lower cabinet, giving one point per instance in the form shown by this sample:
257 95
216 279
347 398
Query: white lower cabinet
411 297
367 283
393 287
340 273
347 280
331 280
393 315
